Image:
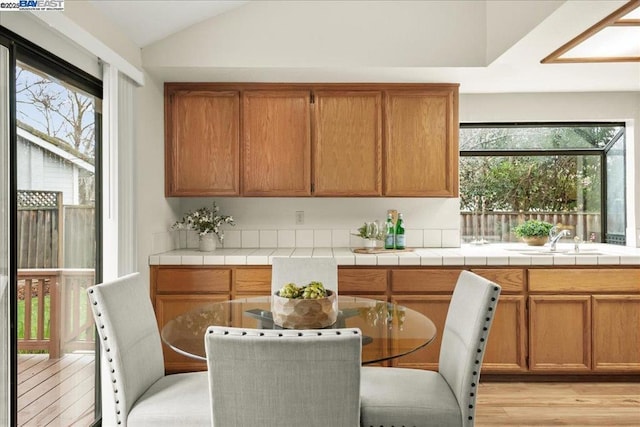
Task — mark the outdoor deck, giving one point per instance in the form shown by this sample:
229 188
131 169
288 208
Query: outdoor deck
55 392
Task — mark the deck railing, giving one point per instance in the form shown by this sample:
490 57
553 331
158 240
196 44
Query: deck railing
67 316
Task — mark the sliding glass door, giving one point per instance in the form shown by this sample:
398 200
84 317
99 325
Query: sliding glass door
49 239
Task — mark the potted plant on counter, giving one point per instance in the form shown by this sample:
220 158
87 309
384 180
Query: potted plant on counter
534 232
207 222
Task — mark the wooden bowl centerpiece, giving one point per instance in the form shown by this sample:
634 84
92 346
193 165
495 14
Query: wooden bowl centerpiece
309 307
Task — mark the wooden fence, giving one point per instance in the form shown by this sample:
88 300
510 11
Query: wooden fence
69 321
51 235
79 243
498 226
38 227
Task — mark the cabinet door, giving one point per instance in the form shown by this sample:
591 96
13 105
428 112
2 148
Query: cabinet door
435 307
347 143
560 333
192 280
511 280
170 306
276 143
202 143
250 282
506 348
424 280
362 281
421 143
616 332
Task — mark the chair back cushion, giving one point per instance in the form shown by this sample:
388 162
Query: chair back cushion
464 338
284 378
129 339
301 271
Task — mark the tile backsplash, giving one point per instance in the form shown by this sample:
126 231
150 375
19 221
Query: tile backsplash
183 239
328 222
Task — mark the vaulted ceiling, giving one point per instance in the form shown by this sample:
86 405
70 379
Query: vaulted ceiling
486 45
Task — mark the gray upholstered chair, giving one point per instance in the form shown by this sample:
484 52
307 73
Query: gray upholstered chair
284 378
135 390
301 271
417 398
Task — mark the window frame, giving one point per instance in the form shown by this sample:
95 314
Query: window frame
600 152
23 50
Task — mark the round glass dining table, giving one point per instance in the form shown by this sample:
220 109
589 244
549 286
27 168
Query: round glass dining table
388 330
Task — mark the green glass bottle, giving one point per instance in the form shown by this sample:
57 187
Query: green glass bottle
400 232
390 232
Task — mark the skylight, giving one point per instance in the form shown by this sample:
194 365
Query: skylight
616 38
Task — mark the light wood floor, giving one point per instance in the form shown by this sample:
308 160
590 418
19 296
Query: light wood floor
55 392
59 392
558 404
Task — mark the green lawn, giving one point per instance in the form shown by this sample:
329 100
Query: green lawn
34 317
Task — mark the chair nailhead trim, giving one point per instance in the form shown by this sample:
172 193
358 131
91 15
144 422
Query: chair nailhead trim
280 334
101 331
480 350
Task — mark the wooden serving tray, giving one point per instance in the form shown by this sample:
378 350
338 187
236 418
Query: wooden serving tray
380 250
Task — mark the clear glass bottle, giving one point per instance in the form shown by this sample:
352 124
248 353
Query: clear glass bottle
400 232
390 233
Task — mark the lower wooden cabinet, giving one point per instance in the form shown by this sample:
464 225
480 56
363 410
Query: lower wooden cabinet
435 307
252 281
359 281
548 321
584 320
560 333
171 306
616 333
506 349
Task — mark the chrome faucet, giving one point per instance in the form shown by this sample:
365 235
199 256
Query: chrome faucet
554 236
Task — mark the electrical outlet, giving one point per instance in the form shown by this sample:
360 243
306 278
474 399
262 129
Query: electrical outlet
299 217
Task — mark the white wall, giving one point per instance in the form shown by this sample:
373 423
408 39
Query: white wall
93 21
595 106
331 34
154 210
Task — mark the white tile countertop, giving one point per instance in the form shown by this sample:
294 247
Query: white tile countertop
509 254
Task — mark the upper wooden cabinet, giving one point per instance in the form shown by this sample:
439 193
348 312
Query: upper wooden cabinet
277 143
347 143
202 133
333 140
421 142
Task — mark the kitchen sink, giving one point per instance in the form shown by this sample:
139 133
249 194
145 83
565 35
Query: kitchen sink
582 253
528 250
536 251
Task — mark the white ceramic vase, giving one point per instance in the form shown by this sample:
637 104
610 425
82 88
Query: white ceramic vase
370 243
207 242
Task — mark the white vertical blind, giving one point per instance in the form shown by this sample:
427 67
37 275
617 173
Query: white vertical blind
5 368
110 173
119 181
127 241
